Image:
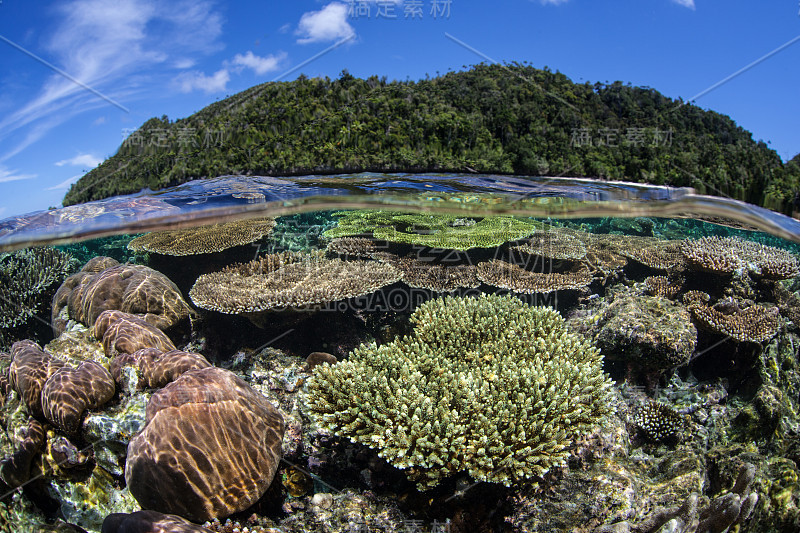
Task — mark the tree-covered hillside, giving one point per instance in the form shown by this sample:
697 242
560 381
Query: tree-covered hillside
490 118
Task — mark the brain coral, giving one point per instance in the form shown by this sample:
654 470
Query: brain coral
135 289
205 239
210 447
487 385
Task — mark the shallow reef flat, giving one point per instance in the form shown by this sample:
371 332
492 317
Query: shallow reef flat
367 370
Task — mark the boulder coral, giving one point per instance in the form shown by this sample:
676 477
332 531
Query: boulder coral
210 447
125 333
70 391
489 386
157 367
30 368
134 289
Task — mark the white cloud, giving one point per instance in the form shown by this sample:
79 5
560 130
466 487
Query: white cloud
185 63
261 65
99 120
81 160
112 47
66 183
3 210
553 2
196 80
327 24
10 175
685 3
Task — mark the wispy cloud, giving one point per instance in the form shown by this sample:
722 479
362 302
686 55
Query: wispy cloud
80 160
260 65
327 24
102 44
11 175
685 3
554 2
196 80
66 183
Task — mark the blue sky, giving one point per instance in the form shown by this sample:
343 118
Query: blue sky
76 76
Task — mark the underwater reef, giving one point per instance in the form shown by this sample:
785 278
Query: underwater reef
422 373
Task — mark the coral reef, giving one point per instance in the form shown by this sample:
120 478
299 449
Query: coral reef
558 244
664 286
30 369
726 255
524 388
158 368
498 273
275 283
716 516
432 230
204 239
210 447
70 391
649 332
436 277
125 333
27 282
149 522
16 469
658 422
134 289
755 323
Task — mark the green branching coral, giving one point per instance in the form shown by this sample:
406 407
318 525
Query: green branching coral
489 385
435 231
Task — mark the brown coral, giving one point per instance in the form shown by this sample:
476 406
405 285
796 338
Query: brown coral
554 244
30 369
205 239
433 276
125 333
210 447
731 254
309 280
360 247
158 368
70 391
656 254
505 275
664 286
751 324
16 469
134 289
149 522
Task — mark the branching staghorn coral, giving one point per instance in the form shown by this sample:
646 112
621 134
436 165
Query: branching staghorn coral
28 279
486 385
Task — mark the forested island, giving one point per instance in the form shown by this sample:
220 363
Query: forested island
512 119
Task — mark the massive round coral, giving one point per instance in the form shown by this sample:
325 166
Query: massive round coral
135 289
210 447
487 385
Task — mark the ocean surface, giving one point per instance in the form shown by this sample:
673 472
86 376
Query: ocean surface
401 352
